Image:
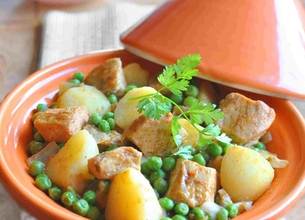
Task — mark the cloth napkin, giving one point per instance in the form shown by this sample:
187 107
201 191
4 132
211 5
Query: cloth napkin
66 35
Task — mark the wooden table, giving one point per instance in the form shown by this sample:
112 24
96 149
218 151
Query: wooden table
20 22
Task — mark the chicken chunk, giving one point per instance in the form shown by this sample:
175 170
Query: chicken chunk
108 77
192 183
152 137
59 124
104 139
107 164
245 120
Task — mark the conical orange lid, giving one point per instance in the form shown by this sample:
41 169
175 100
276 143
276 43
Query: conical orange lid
256 45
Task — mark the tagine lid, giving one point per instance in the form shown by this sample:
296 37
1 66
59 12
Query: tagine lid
258 46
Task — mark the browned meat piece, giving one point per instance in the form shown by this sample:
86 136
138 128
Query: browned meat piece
216 163
108 77
192 183
207 91
266 138
245 120
152 137
104 139
102 193
59 124
107 164
45 153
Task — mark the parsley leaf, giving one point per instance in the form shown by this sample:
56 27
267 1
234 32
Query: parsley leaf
204 112
212 129
154 106
176 77
223 138
185 152
175 127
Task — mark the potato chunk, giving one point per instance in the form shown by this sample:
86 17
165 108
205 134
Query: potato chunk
60 124
108 77
188 132
245 120
135 74
126 110
131 197
245 174
192 183
84 96
69 167
152 137
108 164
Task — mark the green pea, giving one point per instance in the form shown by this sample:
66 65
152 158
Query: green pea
233 210
222 214
168 164
79 76
225 147
192 91
104 126
108 115
38 137
178 217
198 213
260 146
145 169
71 189
130 87
43 182
214 150
156 174
36 168
166 218
95 118
190 100
112 98
68 198
160 185
166 203
199 159
55 193
181 208
154 163
177 98
93 213
81 207
111 123
41 107
35 147
90 197
75 81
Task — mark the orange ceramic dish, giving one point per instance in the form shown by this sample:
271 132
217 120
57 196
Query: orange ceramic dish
256 45
15 132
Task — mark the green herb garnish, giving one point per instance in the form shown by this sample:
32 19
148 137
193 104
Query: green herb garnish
176 78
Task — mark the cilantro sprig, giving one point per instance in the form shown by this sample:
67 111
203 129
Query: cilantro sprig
176 78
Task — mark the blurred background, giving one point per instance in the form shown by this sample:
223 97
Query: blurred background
36 33
22 24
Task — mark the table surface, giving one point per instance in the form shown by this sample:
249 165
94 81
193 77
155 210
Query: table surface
20 23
